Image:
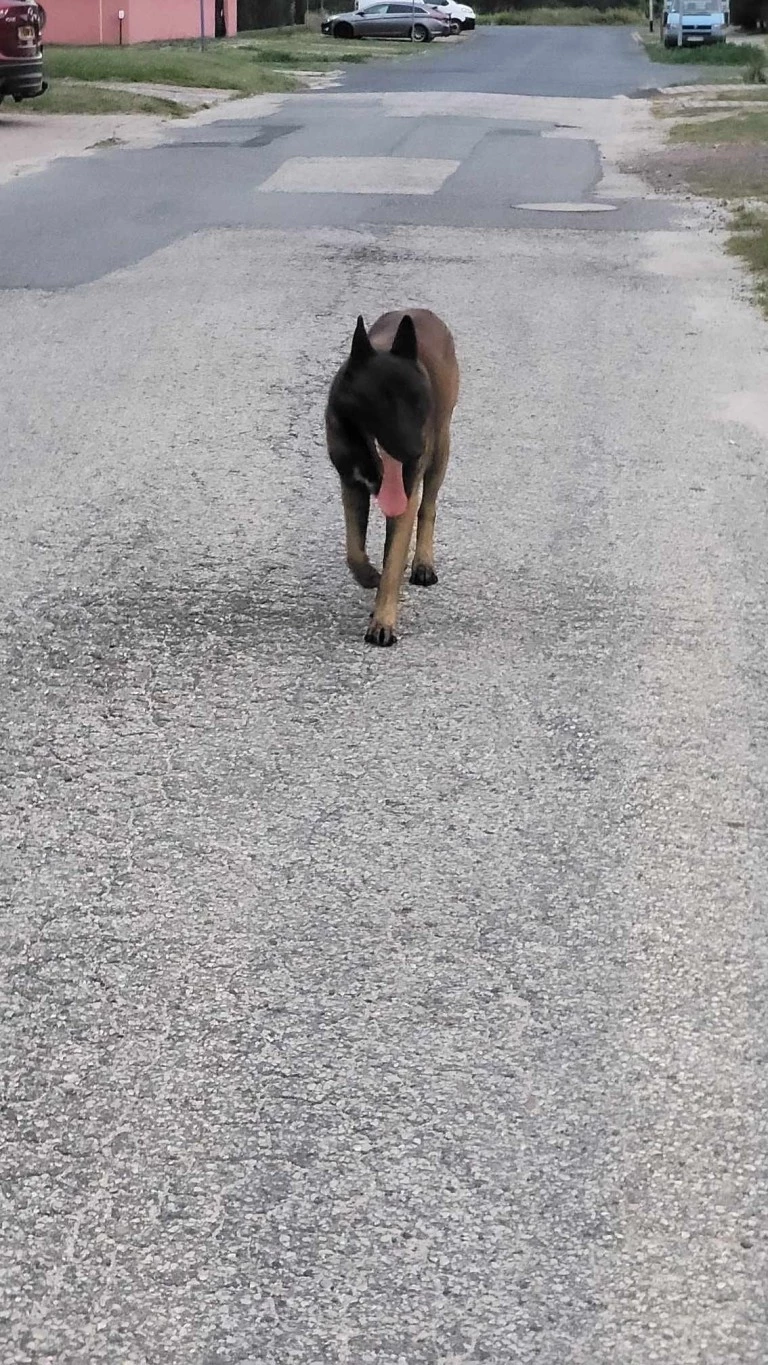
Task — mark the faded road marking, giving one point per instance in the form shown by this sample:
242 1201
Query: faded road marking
360 175
569 208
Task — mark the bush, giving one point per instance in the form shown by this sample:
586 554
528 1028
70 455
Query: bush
576 15
497 7
252 14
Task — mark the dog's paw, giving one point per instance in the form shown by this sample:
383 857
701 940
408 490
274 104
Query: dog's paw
423 575
365 574
380 634
369 577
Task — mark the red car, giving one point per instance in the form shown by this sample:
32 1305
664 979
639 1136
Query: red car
21 50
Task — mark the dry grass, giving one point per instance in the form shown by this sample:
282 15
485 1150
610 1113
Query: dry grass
746 127
749 241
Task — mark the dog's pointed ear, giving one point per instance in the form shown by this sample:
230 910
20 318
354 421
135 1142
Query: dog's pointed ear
362 349
405 344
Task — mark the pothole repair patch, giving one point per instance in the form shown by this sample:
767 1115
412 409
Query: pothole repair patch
360 175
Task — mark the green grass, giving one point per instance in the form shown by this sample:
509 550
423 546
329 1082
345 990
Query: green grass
266 35
74 97
716 54
566 15
218 67
750 126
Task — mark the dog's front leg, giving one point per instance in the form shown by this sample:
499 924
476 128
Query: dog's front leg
357 503
381 628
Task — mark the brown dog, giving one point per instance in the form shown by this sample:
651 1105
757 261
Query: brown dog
388 424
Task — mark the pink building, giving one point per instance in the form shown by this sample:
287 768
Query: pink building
144 21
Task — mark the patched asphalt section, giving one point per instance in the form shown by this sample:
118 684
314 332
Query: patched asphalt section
383 1006
55 221
152 196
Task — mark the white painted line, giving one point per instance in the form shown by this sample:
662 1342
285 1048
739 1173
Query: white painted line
359 175
568 208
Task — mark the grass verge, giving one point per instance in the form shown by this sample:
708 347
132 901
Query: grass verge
715 54
217 68
565 15
80 97
749 241
748 126
248 64
302 47
721 152
744 96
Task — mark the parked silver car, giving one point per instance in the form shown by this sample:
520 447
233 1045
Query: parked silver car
391 19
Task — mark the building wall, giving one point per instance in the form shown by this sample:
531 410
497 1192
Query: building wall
151 20
230 14
146 21
81 21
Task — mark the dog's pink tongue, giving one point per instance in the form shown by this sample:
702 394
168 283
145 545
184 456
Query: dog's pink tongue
391 496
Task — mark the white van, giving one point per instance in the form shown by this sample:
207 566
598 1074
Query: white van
703 22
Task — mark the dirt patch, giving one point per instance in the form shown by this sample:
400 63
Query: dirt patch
29 142
723 172
719 154
196 97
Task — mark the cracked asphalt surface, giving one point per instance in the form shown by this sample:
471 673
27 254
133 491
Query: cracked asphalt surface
393 1007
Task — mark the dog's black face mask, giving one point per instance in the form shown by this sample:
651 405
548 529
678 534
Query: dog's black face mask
379 397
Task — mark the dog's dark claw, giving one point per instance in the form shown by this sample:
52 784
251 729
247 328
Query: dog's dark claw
423 575
377 634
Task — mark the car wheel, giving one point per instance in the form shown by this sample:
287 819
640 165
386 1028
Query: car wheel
343 31
455 28
421 34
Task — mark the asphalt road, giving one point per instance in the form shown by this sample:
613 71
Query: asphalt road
382 1007
578 62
